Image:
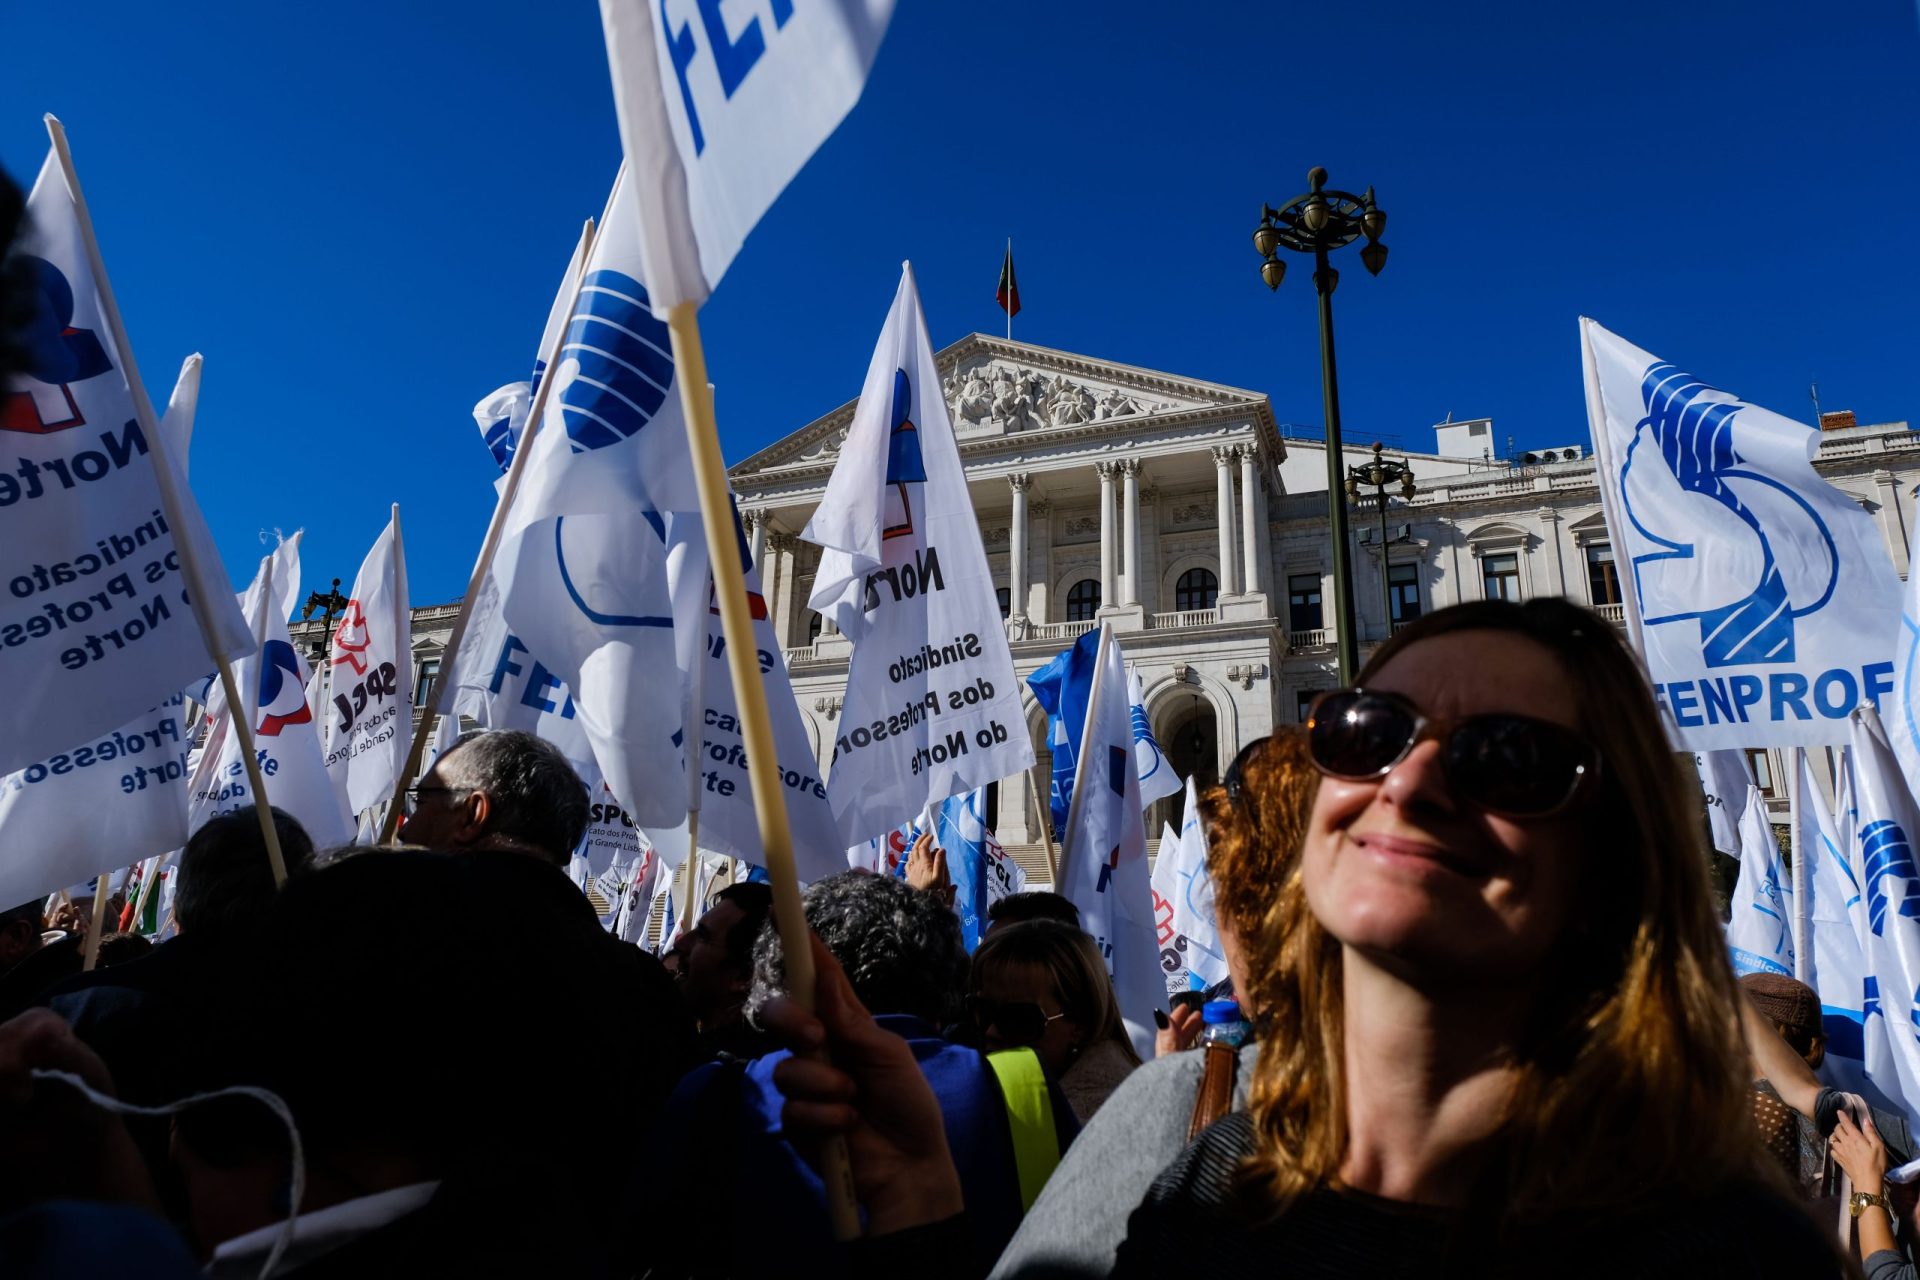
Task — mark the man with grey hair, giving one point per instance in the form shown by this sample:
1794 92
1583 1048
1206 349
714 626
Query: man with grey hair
500 789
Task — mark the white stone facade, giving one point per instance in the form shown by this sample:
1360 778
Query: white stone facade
1181 512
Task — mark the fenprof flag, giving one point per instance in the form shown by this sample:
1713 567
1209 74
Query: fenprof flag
719 108
95 625
1762 597
932 707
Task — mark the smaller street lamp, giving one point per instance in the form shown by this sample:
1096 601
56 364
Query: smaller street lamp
330 603
1378 474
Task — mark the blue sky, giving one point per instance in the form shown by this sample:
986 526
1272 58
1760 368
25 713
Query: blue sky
359 213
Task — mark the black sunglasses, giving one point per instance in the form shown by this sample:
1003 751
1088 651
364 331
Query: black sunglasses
1515 766
1019 1022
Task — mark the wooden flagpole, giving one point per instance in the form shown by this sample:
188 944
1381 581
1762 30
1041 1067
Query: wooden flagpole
170 500
1045 806
496 529
756 726
99 924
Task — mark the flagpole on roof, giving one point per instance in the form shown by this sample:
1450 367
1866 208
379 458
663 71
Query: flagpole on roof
198 597
483 563
1007 305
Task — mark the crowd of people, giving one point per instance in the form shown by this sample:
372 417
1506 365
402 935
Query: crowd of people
1495 1032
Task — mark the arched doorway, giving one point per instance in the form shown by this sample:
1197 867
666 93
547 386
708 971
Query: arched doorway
1191 740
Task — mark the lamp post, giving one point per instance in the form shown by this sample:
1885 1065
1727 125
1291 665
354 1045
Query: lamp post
1318 222
330 602
1380 473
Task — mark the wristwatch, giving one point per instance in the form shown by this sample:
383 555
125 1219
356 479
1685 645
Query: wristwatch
1861 1199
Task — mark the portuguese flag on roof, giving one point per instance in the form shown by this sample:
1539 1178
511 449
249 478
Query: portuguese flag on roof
1008 295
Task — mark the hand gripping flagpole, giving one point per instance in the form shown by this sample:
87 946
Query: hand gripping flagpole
483 563
190 569
756 726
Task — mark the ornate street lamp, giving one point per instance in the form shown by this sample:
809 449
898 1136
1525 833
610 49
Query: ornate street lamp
1318 222
330 602
1378 474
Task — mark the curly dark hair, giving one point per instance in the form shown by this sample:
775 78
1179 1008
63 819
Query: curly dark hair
901 948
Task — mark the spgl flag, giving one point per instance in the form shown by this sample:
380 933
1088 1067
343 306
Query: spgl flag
1187 927
97 628
1761 596
932 706
369 710
274 684
718 111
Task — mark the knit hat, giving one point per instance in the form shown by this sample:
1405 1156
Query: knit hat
1793 1005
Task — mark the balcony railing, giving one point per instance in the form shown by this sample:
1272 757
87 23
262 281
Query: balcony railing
1320 639
1059 630
797 656
1185 618
1612 612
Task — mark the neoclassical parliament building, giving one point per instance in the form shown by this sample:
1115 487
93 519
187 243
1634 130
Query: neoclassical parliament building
1182 513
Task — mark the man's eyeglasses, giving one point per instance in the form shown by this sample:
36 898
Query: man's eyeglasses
413 795
1511 765
1019 1022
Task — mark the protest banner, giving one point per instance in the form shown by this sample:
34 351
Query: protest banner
1185 923
1761 597
1157 778
370 655
932 705
1837 964
1724 778
1103 867
1881 844
282 733
1760 932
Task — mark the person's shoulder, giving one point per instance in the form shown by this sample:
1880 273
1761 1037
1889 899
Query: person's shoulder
1743 1227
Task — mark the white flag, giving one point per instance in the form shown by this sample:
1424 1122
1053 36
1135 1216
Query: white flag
1761 596
369 720
1724 779
1157 778
932 706
1103 865
1903 717
718 113
1838 917
498 683
177 423
1883 846
286 739
1760 933
96 628
1188 929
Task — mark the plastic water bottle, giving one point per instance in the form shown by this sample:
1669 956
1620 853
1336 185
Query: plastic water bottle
1224 1024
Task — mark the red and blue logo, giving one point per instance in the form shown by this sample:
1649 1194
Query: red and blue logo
61 355
283 696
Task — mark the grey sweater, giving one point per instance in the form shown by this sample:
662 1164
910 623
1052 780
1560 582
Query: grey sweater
1080 1218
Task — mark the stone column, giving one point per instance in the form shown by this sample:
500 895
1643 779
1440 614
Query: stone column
1130 524
1223 509
1108 548
777 586
757 524
1249 541
1017 548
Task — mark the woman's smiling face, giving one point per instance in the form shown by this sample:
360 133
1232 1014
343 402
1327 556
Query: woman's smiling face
1402 869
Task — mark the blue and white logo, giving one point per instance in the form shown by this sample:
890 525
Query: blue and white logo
616 364
1886 854
283 696
1688 433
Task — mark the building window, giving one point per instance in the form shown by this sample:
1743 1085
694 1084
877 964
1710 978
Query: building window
1501 574
815 621
1303 703
1762 770
1005 596
1303 602
425 682
1197 589
1083 601
1403 590
1603 583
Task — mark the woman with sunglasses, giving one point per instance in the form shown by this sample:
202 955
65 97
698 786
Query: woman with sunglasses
1042 985
1507 1029
1507 1036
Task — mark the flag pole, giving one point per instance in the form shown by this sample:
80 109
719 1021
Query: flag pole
170 502
1007 306
483 563
99 923
1802 888
1086 730
756 726
1046 823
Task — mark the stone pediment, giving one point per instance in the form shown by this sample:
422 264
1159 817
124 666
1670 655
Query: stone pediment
997 388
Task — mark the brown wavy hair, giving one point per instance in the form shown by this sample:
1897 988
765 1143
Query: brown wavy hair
1253 842
1630 1077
